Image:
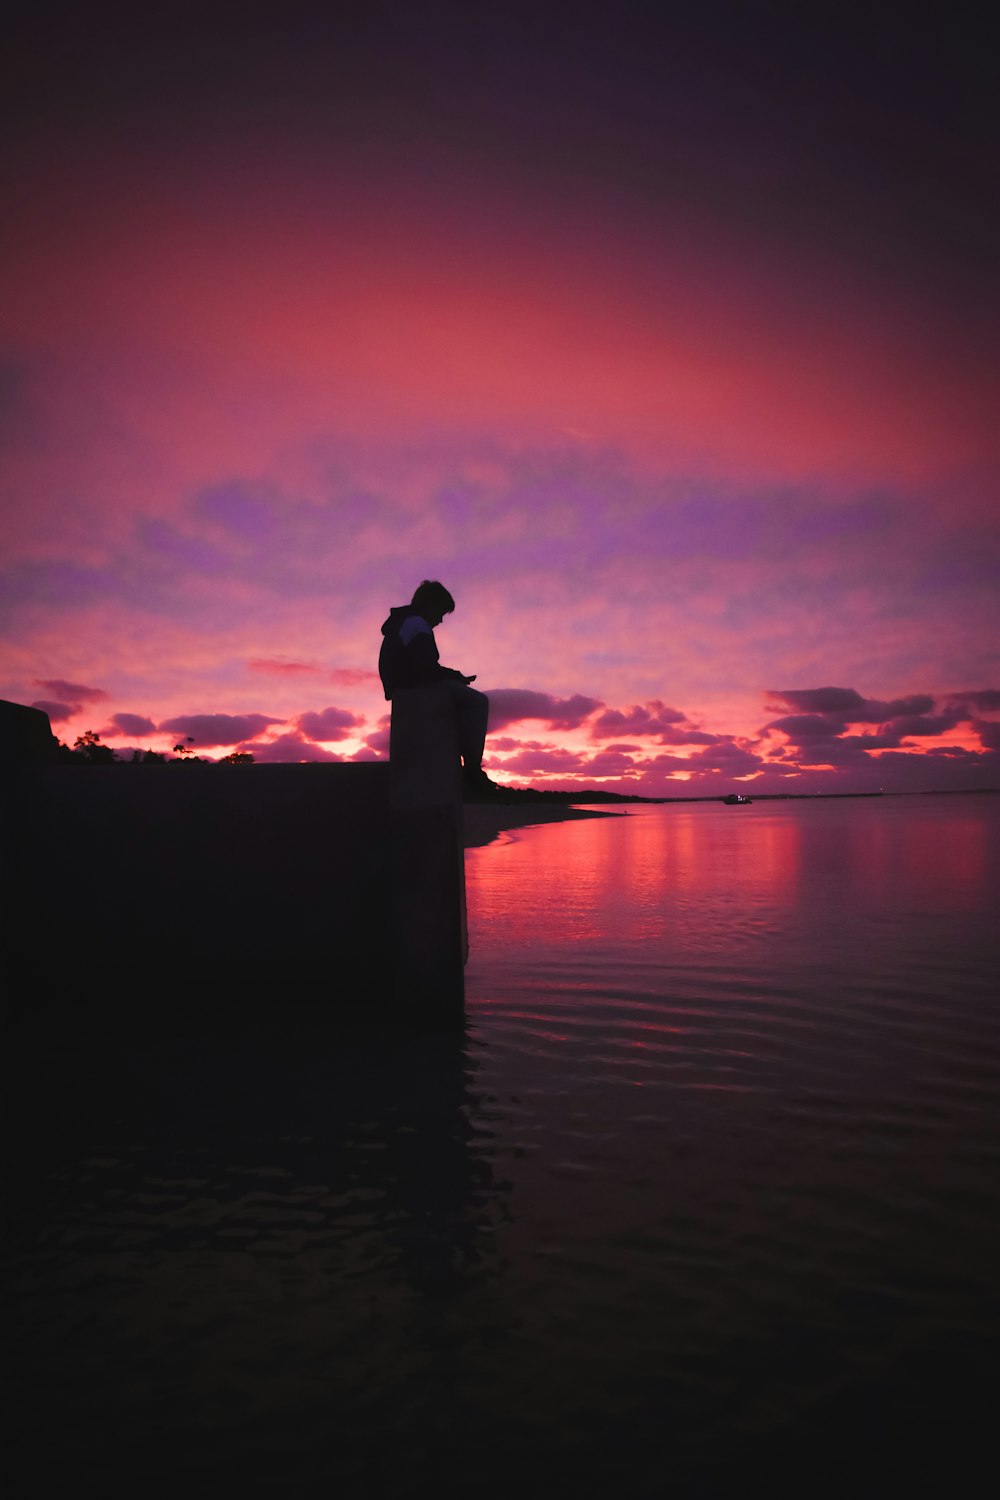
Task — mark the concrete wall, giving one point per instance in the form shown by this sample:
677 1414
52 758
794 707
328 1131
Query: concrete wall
203 876
25 736
425 789
204 881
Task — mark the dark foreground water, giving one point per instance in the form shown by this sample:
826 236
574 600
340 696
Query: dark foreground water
706 1201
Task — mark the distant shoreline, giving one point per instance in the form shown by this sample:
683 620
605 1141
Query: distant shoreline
547 803
485 821
528 797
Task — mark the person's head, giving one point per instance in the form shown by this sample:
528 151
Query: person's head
433 601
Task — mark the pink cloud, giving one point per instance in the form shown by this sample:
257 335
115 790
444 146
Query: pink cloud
663 725
610 762
546 761
290 747
540 758
279 667
352 676
705 770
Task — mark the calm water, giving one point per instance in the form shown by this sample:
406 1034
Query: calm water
707 1197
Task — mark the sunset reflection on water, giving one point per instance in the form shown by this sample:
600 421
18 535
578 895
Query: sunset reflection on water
634 878
749 948
743 1065
703 875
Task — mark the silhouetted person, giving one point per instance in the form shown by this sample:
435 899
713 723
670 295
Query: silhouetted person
409 660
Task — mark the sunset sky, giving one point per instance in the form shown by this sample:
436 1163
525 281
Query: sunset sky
664 335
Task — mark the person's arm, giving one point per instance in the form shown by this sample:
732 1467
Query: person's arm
452 672
418 642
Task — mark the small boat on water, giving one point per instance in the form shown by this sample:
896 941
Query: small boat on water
736 799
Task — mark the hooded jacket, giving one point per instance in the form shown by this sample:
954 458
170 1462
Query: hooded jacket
409 654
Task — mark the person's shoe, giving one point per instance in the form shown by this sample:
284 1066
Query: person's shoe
477 786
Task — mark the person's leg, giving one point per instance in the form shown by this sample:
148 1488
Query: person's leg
473 710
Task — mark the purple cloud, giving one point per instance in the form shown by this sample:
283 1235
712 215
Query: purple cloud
727 757
917 703
921 724
513 705
801 727
57 712
986 699
667 765
378 742
244 510
820 737
848 705
845 749
71 692
219 729
328 724
649 719
135 724
706 768
687 736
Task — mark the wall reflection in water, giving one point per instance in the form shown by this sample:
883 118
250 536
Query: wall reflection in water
245 1251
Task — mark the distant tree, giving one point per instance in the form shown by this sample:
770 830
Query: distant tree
88 748
148 757
185 755
237 758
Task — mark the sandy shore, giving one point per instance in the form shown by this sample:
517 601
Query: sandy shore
483 821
